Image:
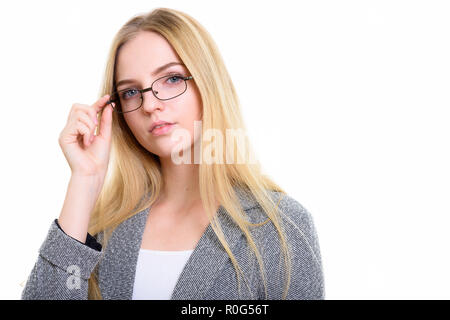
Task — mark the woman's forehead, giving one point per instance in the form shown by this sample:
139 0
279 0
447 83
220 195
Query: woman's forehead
144 53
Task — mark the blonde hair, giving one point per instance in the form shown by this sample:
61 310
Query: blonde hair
134 172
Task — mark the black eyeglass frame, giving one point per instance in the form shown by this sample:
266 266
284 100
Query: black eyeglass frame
141 91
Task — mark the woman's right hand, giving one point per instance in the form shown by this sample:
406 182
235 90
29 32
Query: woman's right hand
87 153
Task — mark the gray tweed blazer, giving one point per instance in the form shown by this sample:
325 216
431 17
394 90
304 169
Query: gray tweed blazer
65 264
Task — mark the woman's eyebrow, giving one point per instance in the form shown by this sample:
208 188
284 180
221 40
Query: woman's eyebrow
154 73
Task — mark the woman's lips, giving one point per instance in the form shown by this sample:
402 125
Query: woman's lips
162 130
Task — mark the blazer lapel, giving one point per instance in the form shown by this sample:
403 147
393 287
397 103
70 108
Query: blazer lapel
118 269
205 262
209 256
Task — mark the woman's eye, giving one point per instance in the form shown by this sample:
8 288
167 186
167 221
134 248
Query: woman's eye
128 93
174 79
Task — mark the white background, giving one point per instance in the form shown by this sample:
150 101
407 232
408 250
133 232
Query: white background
346 104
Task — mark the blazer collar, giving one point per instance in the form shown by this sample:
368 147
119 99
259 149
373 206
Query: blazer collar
197 277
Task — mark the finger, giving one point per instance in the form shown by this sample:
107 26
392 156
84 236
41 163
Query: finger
78 108
106 122
100 103
85 118
83 130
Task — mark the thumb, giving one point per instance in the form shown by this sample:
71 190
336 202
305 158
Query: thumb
106 122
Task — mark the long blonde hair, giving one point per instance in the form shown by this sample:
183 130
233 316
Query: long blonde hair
134 172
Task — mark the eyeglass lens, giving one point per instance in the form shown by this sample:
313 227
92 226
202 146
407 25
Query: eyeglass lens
165 88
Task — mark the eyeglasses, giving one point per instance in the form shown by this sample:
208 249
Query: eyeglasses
164 88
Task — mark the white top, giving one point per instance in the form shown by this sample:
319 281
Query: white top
157 273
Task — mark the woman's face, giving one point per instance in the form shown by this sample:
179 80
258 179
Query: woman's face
137 60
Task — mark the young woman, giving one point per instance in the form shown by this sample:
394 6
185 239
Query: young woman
172 217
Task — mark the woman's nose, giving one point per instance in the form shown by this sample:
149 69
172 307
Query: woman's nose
150 102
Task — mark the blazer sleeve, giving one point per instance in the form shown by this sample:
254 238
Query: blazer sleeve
63 267
307 278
